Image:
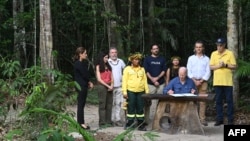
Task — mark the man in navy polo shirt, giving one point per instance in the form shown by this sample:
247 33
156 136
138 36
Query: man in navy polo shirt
155 67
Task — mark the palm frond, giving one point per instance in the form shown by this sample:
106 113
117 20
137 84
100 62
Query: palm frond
243 69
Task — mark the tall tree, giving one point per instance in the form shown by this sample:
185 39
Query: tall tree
232 38
46 43
114 36
151 20
19 33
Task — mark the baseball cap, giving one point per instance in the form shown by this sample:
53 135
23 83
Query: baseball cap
221 41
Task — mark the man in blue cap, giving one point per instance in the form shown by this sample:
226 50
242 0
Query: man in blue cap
222 62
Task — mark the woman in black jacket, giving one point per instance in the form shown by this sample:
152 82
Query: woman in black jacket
81 76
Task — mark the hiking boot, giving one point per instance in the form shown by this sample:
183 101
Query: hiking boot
141 125
129 124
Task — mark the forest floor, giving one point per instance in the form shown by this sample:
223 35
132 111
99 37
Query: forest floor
212 133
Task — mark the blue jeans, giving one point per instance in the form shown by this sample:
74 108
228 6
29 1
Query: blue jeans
220 92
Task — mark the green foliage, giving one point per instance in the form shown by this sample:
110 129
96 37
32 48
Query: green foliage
10 135
152 136
122 135
56 134
243 69
92 97
12 79
31 82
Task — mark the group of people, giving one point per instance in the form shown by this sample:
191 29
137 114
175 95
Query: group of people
118 82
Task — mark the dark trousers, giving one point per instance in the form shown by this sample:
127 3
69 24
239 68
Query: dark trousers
81 100
105 105
135 106
221 92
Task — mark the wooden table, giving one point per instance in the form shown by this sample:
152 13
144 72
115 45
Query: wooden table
183 113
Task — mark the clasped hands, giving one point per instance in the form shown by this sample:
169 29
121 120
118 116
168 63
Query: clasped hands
155 81
222 64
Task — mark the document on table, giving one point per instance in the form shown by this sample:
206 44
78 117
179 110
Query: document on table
177 95
183 95
189 94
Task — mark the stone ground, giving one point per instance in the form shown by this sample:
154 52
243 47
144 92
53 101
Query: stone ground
212 133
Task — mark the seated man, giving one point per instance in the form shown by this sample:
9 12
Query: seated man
180 84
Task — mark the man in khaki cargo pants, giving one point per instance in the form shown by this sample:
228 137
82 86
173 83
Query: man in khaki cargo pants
199 70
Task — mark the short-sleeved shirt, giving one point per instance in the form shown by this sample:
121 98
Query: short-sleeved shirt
117 69
222 76
154 66
179 88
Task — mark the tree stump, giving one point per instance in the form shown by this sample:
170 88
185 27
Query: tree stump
183 114
183 118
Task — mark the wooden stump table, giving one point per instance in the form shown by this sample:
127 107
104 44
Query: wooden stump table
183 113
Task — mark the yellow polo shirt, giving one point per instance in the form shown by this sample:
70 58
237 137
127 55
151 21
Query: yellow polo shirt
134 79
222 76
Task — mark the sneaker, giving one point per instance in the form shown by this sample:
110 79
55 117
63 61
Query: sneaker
217 123
204 123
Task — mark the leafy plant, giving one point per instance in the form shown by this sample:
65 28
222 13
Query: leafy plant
10 135
243 69
11 84
72 123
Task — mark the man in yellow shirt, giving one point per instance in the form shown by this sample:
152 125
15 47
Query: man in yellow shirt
222 62
134 84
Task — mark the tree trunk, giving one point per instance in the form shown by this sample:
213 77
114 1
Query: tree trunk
46 43
241 47
232 40
129 25
151 20
19 34
94 30
114 36
35 33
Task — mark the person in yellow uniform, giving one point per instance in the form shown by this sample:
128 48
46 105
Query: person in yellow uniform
222 62
133 86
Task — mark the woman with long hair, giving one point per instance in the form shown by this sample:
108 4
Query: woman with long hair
105 87
172 71
82 77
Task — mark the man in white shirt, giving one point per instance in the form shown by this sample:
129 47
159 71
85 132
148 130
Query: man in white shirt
117 65
199 70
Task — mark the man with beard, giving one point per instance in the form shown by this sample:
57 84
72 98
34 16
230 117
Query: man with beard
117 65
155 67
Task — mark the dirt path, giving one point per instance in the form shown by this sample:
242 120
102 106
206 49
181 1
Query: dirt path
212 133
